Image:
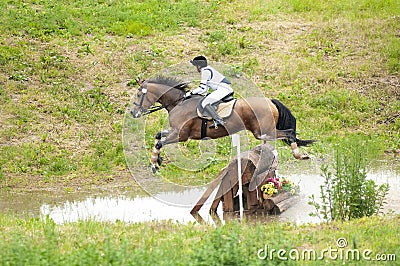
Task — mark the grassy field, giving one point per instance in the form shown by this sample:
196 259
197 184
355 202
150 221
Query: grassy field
38 242
66 80
66 72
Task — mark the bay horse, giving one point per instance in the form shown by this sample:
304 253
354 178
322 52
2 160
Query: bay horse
266 119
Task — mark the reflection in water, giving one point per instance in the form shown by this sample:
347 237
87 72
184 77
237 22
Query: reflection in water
123 208
146 208
141 209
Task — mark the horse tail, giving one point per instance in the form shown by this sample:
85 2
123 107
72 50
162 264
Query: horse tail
286 121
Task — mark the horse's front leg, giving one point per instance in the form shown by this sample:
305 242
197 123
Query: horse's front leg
156 158
171 137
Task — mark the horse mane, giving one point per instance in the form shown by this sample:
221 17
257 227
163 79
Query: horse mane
169 81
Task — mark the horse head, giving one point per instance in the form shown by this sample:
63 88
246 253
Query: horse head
138 108
166 91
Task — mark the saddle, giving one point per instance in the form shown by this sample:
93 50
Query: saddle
224 107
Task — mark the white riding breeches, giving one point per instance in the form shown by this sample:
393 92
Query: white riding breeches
222 91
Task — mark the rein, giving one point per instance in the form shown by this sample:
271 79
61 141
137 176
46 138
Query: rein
153 108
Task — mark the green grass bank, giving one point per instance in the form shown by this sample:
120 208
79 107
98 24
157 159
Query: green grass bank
66 71
41 242
65 66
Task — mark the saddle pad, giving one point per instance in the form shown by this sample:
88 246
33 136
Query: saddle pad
223 110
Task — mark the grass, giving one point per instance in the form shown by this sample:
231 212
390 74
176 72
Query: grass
66 80
347 193
64 68
42 242
68 19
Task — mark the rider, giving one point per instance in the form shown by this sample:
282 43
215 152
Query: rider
211 78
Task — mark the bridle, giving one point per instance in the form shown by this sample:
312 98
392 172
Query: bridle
153 108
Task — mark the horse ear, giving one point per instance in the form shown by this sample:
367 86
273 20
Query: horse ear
134 82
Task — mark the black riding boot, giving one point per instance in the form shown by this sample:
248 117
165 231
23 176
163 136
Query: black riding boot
209 110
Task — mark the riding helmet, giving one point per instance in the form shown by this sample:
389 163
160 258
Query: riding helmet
200 61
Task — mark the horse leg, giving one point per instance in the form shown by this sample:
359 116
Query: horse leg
156 158
291 139
288 135
296 153
171 137
277 134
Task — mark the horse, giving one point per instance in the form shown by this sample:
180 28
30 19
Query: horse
266 119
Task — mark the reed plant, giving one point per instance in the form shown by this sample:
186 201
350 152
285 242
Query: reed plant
346 192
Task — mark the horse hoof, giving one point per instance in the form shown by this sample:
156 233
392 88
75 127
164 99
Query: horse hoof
154 168
304 157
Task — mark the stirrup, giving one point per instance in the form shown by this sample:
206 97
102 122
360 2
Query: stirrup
216 124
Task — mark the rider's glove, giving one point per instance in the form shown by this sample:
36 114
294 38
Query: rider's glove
188 94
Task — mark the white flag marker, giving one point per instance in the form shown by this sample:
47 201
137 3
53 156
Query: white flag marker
236 143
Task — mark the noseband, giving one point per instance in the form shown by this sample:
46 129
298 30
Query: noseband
140 104
152 109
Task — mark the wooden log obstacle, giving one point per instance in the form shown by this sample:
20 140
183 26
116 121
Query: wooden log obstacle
258 165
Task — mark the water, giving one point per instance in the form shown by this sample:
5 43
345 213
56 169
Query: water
125 208
138 207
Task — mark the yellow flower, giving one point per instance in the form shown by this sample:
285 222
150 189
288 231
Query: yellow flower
269 189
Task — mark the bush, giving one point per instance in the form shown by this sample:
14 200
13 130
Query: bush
346 193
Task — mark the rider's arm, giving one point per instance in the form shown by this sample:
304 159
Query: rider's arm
206 75
201 89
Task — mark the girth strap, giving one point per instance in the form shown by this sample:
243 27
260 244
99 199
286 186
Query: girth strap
203 128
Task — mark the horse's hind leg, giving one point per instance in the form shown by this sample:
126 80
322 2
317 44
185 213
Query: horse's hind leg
296 153
277 134
290 136
274 135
